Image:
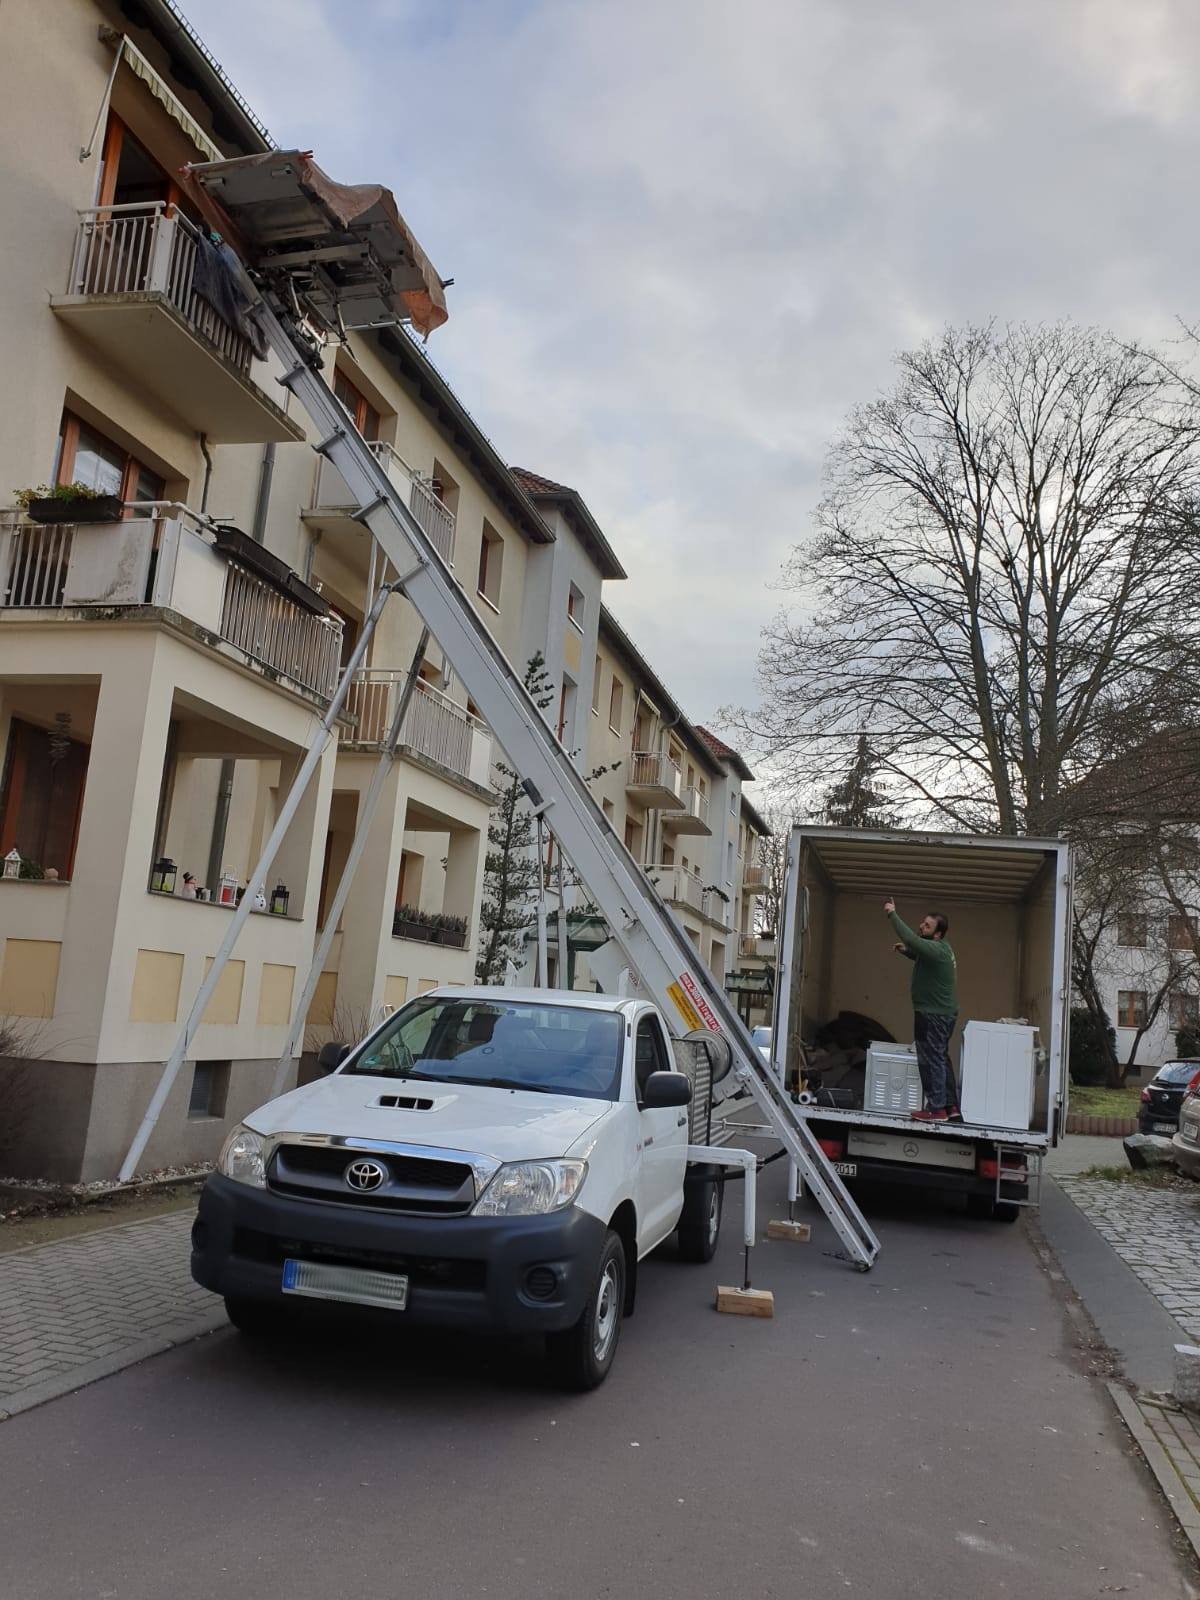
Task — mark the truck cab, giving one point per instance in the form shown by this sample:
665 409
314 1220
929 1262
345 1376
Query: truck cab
485 1159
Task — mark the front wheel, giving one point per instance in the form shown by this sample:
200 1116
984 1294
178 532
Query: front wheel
582 1355
700 1222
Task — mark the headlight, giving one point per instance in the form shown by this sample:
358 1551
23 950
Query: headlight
531 1188
242 1158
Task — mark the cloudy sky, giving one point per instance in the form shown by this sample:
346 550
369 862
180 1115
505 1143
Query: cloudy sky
687 235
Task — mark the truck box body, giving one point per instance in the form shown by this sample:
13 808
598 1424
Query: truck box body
1008 905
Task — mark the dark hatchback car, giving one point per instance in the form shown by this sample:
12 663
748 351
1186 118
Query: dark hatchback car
1163 1096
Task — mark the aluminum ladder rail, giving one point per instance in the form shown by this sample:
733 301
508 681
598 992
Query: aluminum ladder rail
655 945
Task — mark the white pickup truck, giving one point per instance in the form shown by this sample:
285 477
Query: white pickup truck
486 1158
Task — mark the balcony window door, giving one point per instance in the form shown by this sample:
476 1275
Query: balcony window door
44 779
85 455
366 418
129 174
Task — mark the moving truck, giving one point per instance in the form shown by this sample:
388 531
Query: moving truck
842 993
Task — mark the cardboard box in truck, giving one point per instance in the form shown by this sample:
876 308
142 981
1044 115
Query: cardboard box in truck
840 981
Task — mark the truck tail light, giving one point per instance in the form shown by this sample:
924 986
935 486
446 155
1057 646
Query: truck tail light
835 1149
1013 1165
1146 1095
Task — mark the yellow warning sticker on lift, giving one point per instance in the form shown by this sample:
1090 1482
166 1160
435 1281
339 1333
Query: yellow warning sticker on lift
684 1007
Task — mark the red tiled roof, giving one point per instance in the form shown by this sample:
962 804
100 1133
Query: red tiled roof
723 752
534 483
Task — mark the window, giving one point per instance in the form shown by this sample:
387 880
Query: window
607 807
445 486
44 780
650 1054
633 838
1180 933
210 1089
562 711
575 606
596 687
86 456
1184 1010
1131 1008
1131 929
733 803
366 418
616 696
491 562
729 862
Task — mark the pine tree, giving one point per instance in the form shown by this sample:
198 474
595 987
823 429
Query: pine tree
855 801
511 866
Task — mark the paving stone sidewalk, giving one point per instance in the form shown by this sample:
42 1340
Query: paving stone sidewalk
1155 1231
82 1308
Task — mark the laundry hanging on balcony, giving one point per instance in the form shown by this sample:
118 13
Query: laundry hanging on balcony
345 247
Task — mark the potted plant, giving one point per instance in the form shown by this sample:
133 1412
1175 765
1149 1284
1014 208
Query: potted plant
450 930
410 922
69 502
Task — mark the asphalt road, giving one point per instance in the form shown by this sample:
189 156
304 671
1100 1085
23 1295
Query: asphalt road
923 1430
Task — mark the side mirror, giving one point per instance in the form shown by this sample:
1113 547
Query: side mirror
666 1089
330 1056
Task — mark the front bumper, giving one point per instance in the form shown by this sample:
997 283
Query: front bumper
463 1272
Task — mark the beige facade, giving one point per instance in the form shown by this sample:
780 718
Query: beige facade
167 658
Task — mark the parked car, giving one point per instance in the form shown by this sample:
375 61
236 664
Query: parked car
762 1039
1186 1143
1163 1096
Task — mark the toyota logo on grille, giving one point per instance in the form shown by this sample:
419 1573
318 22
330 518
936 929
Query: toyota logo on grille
364 1176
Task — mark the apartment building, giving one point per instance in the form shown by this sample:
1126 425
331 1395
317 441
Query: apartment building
168 650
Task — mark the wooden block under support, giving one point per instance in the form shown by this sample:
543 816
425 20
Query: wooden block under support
799 1232
746 1302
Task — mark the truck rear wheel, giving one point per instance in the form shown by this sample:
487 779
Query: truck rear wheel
582 1355
699 1225
989 1210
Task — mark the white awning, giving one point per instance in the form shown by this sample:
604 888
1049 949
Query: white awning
133 58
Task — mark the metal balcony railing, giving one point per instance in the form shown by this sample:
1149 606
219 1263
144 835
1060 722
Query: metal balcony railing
650 770
680 887
279 633
147 249
163 555
434 516
434 726
695 804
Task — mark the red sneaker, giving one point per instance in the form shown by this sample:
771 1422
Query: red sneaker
930 1116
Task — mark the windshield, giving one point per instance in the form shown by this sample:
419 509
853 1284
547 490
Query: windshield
1178 1071
503 1044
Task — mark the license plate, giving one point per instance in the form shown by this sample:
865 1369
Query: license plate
356 1285
1164 1127
846 1169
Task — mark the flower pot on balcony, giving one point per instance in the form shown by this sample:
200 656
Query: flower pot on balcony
97 508
402 928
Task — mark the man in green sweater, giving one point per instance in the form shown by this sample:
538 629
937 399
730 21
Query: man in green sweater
935 1010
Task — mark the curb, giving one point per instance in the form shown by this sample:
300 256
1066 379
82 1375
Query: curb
1111 1127
37 1394
1178 1496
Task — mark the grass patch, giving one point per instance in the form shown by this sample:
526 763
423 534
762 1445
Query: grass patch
1094 1101
1151 1178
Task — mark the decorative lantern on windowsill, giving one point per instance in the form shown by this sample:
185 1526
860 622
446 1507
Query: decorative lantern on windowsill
227 888
279 900
162 876
12 863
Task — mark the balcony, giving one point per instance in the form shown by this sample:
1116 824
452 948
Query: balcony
680 887
333 504
655 781
694 816
756 947
163 556
132 295
434 726
754 874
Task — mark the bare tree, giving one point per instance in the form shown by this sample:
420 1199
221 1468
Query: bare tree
1005 560
773 853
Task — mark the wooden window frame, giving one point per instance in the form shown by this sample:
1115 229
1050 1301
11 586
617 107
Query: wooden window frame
1128 921
490 542
68 434
616 701
1124 1008
359 407
576 602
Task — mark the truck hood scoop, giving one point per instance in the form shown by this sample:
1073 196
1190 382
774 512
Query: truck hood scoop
403 1102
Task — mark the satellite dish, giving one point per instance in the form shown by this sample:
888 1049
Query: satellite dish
718 1049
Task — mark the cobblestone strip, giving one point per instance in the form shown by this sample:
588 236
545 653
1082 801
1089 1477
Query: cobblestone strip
1170 1443
1155 1231
79 1309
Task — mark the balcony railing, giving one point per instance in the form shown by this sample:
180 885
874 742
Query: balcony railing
680 887
694 816
656 777
331 493
163 555
151 249
434 726
754 873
